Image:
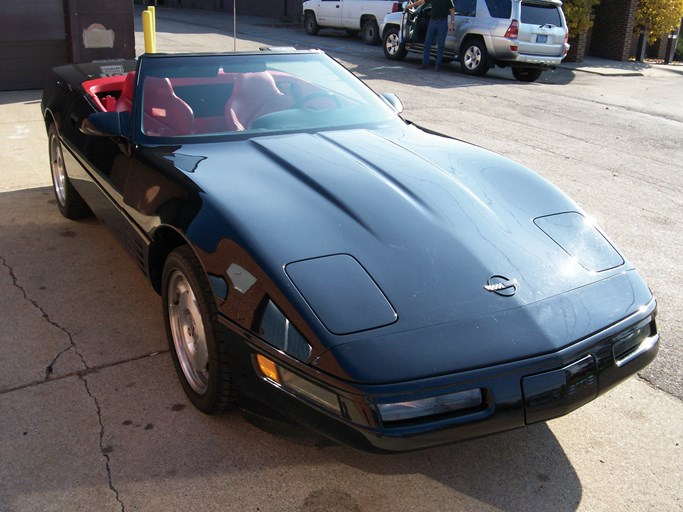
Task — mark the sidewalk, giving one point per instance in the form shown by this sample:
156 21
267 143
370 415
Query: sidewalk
605 67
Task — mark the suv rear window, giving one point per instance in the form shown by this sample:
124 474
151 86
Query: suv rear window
500 8
535 14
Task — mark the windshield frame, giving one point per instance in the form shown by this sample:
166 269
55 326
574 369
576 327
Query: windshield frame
179 67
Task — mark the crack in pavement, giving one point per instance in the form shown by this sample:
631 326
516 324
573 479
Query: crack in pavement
49 370
104 452
72 345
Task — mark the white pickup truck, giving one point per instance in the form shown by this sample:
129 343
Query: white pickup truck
351 15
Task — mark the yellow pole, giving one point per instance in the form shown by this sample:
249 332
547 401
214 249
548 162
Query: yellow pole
153 10
147 31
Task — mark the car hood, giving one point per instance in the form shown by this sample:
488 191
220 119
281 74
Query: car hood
412 224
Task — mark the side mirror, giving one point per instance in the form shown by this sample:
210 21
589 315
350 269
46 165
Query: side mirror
393 101
107 124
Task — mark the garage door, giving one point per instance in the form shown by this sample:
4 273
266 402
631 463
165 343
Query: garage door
32 40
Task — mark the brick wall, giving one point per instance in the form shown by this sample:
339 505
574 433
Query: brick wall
613 29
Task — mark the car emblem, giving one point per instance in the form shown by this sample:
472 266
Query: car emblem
501 285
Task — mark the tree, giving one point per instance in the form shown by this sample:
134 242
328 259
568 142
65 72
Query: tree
579 14
659 16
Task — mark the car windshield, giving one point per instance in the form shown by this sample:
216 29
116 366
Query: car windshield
249 94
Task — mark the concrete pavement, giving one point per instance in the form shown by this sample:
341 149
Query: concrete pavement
92 416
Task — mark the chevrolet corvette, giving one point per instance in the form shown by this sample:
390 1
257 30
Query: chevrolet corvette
320 256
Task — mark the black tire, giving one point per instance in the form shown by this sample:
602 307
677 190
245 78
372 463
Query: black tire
69 202
393 48
198 342
311 24
474 59
526 74
370 32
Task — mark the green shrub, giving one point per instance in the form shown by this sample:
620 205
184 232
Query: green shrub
579 14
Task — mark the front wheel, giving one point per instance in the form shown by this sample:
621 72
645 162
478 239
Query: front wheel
526 74
310 24
69 201
394 49
370 32
196 339
474 59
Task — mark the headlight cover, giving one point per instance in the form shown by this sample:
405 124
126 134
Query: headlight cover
431 406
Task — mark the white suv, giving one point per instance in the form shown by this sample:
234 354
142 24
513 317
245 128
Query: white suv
528 35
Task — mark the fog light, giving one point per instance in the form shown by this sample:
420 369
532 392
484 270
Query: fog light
431 406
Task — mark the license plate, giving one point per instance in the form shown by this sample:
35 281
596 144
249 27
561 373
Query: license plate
541 38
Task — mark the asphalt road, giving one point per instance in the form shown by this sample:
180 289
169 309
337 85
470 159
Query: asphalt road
92 416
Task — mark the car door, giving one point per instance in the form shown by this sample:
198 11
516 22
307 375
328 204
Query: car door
415 25
465 12
98 165
330 13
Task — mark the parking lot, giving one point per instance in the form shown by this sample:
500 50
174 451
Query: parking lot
92 416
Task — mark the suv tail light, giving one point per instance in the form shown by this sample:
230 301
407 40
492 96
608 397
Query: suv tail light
566 40
396 7
513 30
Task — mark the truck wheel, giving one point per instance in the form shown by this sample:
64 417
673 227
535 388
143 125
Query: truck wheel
474 59
526 74
370 32
310 24
394 49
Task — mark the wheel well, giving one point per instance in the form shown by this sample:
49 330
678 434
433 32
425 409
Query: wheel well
388 26
482 40
49 119
165 240
366 17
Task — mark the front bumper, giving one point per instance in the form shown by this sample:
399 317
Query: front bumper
514 394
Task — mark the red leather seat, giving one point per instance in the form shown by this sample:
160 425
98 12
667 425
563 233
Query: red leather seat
253 95
125 101
165 114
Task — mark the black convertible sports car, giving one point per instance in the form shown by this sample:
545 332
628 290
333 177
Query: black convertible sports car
386 286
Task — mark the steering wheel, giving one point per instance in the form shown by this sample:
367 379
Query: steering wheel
301 102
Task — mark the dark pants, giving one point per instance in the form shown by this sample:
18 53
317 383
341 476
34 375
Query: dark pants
437 29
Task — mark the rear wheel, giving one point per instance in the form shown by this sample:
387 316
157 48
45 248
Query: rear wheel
69 202
310 24
394 49
474 59
370 32
526 74
196 339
